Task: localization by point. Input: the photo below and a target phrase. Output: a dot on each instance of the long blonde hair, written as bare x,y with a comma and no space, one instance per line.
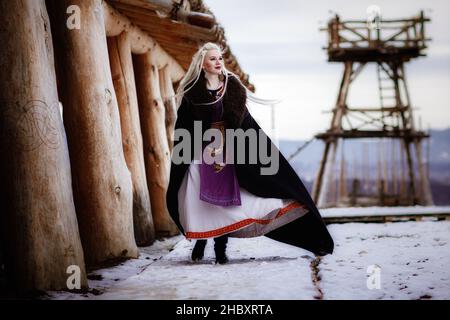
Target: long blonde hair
194,71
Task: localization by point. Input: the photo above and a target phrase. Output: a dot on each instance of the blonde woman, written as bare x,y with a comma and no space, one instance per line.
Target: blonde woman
230,197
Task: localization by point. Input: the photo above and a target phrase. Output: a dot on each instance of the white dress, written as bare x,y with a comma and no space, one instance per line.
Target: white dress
255,216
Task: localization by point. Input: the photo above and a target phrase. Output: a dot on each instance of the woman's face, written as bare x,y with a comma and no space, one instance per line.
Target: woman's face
213,62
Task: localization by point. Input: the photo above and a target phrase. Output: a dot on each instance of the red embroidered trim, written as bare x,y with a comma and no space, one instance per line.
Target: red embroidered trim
243,223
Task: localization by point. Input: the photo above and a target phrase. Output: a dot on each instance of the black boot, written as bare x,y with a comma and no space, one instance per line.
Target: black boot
220,246
199,250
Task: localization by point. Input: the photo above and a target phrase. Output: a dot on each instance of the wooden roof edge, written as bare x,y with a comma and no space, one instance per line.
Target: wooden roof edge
196,14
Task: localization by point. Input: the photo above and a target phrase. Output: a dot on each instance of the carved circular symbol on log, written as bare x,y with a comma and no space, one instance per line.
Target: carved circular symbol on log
31,126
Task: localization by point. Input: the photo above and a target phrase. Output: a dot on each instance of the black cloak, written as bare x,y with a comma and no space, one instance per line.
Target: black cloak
309,231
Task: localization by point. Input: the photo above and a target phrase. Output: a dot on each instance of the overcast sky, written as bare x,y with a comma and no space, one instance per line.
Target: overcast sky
278,43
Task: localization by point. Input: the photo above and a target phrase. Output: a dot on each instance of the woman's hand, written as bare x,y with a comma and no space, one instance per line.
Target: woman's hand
214,151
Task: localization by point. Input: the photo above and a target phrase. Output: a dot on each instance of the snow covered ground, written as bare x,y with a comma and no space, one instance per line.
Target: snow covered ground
259,268
408,260
412,259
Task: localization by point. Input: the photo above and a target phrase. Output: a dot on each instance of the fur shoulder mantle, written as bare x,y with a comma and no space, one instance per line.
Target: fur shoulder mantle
234,100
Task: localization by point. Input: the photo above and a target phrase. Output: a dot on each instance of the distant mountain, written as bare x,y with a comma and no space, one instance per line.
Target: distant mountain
359,151
440,146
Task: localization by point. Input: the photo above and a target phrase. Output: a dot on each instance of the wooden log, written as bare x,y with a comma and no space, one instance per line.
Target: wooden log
164,7
201,19
168,95
321,184
172,41
150,18
123,77
425,196
102,181
38,219
156,149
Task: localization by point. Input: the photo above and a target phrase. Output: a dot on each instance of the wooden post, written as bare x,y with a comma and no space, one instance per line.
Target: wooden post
320,186
38,218
407,122
412,189
425,197
385,156
168,96
326,194
394,167
402,192
342,197
102,181
317,186
125,87
156,149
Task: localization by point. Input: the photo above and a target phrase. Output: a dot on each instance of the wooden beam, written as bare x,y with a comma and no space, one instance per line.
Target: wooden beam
405,134
171,42
377,109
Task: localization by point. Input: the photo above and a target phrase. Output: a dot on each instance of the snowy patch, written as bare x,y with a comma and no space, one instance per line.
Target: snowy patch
413,257
259,268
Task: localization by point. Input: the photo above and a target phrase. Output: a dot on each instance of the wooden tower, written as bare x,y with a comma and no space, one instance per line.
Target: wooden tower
387,45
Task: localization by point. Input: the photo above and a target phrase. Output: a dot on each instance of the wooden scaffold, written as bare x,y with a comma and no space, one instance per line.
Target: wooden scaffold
387,45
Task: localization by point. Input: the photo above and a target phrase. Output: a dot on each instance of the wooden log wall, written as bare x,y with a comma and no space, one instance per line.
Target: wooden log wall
38,219
85,190
158,122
